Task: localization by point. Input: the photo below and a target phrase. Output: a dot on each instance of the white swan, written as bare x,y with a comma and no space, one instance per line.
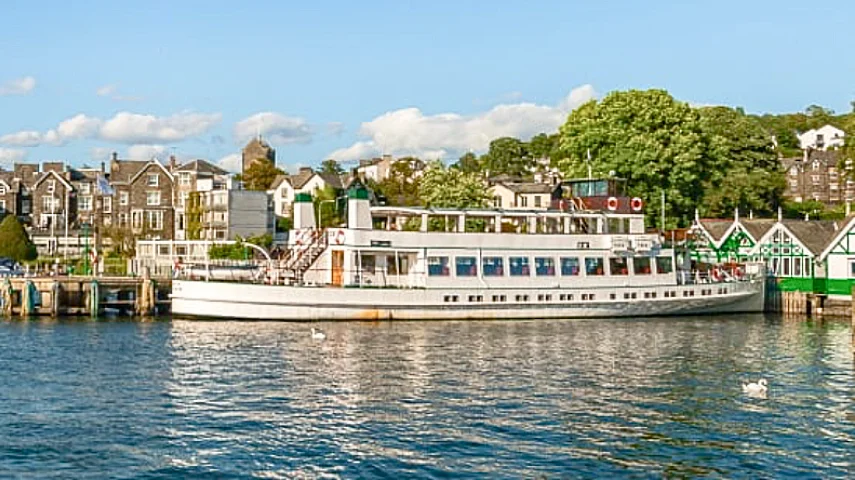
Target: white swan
318,335
756,389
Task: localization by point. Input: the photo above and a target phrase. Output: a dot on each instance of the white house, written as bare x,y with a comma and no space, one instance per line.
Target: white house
285,187
823,138
530,196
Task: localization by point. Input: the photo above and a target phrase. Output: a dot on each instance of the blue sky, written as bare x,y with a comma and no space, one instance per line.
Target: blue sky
353,79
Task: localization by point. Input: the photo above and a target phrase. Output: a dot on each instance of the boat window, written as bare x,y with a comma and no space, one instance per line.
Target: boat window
493,266
519,267
544,266
569,266
664,265
396,266
438,266
594,266
466,266
367,263
642,265
619,266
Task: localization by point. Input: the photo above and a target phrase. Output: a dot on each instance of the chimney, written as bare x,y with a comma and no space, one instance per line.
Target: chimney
102,167
173,164
115,156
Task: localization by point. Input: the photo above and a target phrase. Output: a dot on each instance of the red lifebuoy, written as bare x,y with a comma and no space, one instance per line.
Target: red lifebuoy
339,237
716,274
612,203
635,204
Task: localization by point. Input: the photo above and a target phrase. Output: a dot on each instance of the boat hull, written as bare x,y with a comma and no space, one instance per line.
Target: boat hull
224,300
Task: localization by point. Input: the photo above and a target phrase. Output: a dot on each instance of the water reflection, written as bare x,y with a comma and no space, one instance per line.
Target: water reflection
470,399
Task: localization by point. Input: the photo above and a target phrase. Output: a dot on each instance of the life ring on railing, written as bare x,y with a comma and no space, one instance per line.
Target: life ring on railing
339,237
738,274
635,204
716,275
612,203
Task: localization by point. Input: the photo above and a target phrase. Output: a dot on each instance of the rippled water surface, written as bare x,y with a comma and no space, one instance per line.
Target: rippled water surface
546,399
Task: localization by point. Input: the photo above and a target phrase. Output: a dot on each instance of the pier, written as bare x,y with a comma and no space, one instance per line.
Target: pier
84,296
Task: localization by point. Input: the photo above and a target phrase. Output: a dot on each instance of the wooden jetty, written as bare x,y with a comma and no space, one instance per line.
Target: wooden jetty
84,295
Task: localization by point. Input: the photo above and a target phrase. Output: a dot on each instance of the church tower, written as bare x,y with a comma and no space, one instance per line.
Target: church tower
257,149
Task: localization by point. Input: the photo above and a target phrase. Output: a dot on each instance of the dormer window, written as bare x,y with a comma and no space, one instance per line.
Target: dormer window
153,180
51,186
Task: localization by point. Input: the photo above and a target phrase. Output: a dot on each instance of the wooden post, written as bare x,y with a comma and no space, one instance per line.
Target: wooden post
55,292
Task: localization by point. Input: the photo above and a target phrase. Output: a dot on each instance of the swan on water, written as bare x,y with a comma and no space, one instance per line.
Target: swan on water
758,388
318,335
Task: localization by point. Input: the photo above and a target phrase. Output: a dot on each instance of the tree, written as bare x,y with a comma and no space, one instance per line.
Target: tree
331,166
329,207
260,175
543,145
14,241
507,155
401,187
746,172
647,137
451,188
468,163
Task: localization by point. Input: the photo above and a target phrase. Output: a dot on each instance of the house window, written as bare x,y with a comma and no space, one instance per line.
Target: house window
85,189
184,179
51,186
569,266
523,201
537,201
851,269
544,266
497,201
466,266
594,266
84,204
123,198
493,266
137,219
154,219
25,207
152,198
122,219
438,266
108,204
664,265
797,267
153,180
3,190
2,206
786,267
50,204
519,266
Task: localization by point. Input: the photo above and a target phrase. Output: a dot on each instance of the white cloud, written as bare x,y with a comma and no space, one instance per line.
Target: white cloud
278,128
9,156
111,91
147,152
408,131
18,86
231,162
124,127
106,91
128,127
27,138
335,128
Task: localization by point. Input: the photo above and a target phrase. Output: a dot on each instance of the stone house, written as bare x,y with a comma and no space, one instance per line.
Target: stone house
195,176
817,175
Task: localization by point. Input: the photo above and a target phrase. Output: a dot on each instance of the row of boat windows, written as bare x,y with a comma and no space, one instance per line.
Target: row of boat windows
569,297
465,266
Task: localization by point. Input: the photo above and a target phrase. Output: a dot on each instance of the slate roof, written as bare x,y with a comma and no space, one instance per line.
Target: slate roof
758,227
278,181
201,166
299,180
529,187
814,234
122,171
331,179
716,227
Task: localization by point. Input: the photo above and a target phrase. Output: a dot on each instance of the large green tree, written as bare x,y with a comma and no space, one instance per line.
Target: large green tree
260,175
332,167
452,188
401,187
647,137
14,241
507,155
746,171
468,163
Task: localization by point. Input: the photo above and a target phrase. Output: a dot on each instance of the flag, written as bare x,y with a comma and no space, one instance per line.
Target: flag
103,186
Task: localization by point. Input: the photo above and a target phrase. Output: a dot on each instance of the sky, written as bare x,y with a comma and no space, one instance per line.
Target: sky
350,80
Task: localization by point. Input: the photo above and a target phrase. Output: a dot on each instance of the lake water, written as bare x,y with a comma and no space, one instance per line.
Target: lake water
547,399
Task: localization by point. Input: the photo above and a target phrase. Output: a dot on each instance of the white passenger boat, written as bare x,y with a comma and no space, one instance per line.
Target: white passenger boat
587,256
